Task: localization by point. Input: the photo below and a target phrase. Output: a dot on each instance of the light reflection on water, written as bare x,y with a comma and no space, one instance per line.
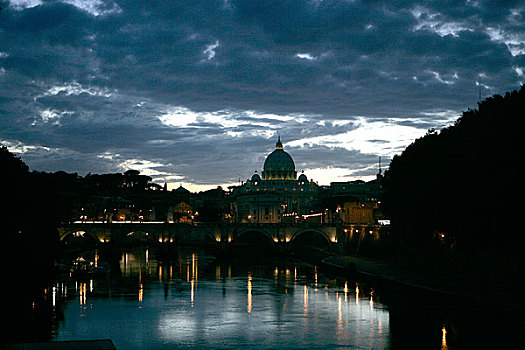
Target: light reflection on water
194,301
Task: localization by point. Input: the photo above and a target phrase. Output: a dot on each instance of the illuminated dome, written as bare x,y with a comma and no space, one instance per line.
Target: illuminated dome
279,165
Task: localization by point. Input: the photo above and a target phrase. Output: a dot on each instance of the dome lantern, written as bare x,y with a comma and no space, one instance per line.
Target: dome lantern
279,144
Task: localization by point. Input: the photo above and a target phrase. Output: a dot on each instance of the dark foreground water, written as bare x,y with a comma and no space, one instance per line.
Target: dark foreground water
190,299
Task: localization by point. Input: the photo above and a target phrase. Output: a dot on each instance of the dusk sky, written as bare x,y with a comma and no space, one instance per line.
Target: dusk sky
195,92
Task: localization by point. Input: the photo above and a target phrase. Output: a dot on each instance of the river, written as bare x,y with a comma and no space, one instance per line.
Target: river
190,299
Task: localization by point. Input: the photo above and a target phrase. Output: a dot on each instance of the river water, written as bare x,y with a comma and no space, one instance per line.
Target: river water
189,299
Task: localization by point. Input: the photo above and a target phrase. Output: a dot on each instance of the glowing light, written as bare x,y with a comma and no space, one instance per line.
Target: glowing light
444,345
288,273
82,293
141,292
306,216
305,298
249,308
193,266
192,293
357,295
339,314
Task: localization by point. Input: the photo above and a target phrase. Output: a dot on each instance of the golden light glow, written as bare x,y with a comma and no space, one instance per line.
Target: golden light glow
141,292
82,293
194,273
339,314
305,299
249,308
444,345
357,295
192,293
193,266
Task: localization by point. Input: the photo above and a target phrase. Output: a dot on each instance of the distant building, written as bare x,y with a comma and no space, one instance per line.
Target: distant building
277,196
182,212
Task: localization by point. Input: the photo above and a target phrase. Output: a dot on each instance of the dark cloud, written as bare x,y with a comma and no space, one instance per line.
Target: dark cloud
90,80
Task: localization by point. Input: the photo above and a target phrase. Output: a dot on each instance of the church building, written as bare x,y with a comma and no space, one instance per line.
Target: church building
276,196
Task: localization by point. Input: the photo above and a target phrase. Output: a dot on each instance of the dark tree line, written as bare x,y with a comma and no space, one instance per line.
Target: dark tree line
28,234
457,193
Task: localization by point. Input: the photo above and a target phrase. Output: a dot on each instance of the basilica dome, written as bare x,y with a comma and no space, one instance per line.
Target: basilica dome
279,165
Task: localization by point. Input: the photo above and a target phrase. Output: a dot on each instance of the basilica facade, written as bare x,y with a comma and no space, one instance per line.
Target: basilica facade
277,195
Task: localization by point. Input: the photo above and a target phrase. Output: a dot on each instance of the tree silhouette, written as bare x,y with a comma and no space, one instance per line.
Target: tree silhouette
458,190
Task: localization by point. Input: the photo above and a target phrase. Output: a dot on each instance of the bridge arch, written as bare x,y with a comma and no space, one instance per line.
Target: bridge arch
211,235
311,239
254,237
137,237
79,235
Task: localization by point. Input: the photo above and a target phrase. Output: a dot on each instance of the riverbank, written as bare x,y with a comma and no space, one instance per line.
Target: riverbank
459,286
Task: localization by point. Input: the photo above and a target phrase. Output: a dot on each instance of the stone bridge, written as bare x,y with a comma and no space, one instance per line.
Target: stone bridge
198,233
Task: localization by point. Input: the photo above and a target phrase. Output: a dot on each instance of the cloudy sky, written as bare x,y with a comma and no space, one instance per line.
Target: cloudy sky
195,92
